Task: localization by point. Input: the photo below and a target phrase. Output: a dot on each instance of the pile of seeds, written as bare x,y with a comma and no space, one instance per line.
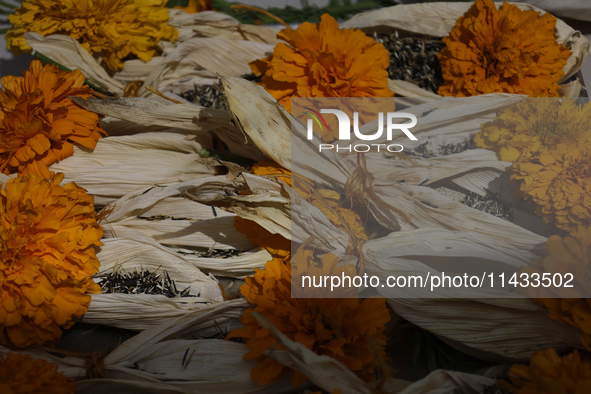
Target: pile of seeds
490,205
414,59
141,282
156,218
214,253
208,96
444,150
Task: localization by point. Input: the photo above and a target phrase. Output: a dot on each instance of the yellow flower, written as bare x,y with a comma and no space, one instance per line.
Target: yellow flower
548,373
328,201
47,257
505,50
39,122
321,60
558,181
20,374
521,130
345,329
568,255
195,6
113,30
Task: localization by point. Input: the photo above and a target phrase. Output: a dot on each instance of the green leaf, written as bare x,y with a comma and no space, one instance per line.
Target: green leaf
175,3
341,9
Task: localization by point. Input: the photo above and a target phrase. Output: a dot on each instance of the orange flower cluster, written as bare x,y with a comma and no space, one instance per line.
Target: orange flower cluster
111,29
507,50
47,257
328,201
547,140
39,122
344,329
559,183
195,6
521,130
548,373
570,254
321,60
20,374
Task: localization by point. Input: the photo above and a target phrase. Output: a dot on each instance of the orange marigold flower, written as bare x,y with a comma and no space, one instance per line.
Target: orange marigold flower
344,329
328,201
507,50
20,374
521,130
321,60
195,6
573,255
548,373
558,181
110,29
47,257
39,122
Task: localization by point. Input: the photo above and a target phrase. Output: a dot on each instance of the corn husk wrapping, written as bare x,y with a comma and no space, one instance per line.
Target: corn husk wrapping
152,361
501,331
438,19
198,120
162,214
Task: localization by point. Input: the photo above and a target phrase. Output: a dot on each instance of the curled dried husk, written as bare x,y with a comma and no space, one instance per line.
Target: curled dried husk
67,52
438,19
218,24
199,61
330,374
161,213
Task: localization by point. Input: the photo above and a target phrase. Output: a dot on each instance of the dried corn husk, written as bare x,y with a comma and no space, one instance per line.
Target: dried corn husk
438,19
122,164
198,61
505,335
161,214
158,357
218,24
66,51
189,117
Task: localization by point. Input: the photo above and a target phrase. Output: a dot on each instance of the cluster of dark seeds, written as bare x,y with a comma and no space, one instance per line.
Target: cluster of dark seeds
214,253
205,96
490,205
156,218
142,282
444,150
208,96
414,59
